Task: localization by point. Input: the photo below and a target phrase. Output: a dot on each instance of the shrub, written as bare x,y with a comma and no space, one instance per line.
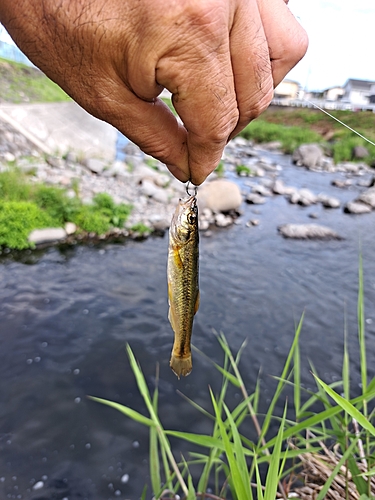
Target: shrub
290,137
56,203
17,220
13,186
91,220
117,214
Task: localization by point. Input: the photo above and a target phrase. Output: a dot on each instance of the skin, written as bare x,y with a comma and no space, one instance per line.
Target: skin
221,59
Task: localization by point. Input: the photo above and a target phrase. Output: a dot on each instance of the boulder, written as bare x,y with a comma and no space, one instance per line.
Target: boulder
47,235
148,188
308,231
357,207
359,152
341,183
262,190
308,155
95,165
368,197
222,220
255,199
219,195
329,201
70,228
143,172
303,197
280,188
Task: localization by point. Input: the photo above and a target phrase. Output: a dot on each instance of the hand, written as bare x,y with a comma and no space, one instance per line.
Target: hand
220,59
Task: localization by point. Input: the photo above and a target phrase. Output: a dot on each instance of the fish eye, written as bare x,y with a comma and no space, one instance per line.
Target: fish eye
191,218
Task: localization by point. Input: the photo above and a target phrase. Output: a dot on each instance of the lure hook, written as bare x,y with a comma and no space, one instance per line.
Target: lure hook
187,189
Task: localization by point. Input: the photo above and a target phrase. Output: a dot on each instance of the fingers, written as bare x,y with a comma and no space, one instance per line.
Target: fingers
149,124
203,90
251,64
287,40
266,42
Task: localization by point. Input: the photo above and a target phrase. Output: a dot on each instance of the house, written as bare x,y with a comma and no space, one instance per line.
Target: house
287,89
333,93
358,92
372,94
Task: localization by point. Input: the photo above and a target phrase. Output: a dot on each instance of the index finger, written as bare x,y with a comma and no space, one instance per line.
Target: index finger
201,80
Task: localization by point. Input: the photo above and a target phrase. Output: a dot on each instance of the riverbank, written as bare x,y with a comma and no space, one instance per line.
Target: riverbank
248,174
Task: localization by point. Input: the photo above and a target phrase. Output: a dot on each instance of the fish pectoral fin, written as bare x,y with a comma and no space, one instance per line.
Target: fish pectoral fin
197,302
178,259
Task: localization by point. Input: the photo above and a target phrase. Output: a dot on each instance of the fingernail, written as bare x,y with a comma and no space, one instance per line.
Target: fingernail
178,173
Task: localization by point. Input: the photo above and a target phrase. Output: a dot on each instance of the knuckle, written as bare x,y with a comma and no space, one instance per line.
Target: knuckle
257,103
223,127
297,46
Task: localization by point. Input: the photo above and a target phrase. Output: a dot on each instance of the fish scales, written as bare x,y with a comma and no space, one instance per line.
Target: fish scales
183,287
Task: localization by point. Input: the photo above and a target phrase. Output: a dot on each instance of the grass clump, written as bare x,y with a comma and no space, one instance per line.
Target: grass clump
220,169
243,170
116,213
56,203
290,136
27,206
17,220
273,465
140,228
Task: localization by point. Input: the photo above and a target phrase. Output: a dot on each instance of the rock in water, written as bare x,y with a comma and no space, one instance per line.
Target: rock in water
219,195
357,207
308,231
368,197
329,201
255,199
308,155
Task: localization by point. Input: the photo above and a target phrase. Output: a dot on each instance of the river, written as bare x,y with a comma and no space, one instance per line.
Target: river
67,314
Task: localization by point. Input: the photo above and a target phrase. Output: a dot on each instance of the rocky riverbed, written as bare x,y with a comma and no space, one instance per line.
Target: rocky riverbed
153,192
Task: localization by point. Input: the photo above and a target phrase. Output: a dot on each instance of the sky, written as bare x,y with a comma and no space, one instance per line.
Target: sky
342,42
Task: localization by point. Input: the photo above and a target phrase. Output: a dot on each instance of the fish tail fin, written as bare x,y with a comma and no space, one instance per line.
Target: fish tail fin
181,366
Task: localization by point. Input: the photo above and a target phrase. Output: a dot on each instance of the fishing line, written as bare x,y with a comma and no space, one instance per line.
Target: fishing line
342,123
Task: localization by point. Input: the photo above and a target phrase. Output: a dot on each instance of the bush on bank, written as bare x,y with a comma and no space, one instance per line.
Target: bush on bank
25,206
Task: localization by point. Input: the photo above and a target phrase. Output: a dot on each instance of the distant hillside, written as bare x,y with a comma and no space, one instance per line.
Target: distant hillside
23,84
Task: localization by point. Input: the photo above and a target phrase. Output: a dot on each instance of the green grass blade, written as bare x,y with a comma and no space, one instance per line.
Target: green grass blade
346,364
199,439
196,406
154,451
280,385
361,327
236,479
272,479
134,415
239,452
164,443
258,481
144,492
191,495
297,381
348,407
256,394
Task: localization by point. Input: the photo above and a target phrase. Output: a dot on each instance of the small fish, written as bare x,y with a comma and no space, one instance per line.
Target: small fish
183,288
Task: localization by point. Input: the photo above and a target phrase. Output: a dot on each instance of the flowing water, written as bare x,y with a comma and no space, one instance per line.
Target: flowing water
67,314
